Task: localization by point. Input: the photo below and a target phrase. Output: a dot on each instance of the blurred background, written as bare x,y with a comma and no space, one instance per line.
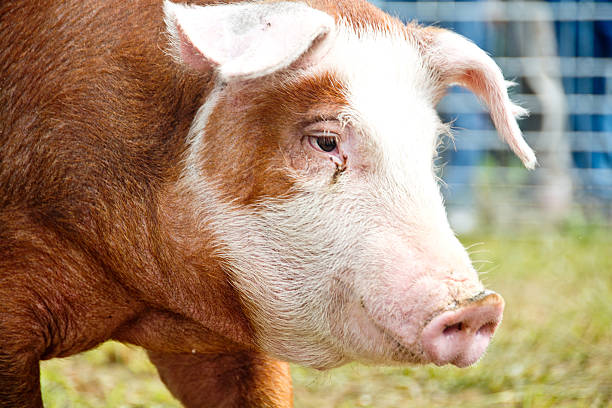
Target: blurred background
559,54
543,239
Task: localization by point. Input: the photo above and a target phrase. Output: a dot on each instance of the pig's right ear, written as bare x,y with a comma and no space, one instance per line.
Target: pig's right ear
244,40
456,60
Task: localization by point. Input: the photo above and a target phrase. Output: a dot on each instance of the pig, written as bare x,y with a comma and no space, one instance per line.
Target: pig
232,186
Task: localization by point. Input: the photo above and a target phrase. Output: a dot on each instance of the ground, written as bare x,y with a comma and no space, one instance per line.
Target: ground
554,348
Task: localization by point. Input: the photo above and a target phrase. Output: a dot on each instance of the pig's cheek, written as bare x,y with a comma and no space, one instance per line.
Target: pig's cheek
349,324
298,161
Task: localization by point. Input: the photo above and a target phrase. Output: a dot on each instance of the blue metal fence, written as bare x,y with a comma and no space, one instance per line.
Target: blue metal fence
560,54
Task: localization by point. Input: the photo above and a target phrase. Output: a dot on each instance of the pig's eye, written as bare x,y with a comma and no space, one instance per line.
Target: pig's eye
326,142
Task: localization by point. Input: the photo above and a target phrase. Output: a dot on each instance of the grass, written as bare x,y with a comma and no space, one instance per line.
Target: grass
554,348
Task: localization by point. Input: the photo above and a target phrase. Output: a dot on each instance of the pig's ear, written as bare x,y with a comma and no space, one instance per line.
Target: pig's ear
244,40
457,61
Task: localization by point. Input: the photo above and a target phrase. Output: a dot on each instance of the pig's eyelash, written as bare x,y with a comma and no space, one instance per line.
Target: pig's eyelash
327,142
327,134
313,120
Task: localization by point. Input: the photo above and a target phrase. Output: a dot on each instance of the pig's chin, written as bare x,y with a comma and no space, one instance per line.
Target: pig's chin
368,341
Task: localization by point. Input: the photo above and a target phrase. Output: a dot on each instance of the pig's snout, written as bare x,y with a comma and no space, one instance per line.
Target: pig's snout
461,336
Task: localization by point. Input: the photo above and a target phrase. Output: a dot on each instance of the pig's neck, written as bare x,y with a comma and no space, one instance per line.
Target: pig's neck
188,289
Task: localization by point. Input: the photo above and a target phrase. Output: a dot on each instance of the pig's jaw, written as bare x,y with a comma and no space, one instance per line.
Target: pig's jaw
314,302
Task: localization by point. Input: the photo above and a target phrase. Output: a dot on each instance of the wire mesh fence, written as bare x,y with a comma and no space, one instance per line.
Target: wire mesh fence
560,55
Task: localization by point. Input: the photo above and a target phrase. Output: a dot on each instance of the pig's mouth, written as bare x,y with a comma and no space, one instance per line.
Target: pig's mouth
401,352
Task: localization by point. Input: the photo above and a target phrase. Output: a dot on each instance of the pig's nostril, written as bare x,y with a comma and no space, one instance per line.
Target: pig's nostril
487,329
452,329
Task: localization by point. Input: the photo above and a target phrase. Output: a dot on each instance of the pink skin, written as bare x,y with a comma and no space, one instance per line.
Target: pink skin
461,336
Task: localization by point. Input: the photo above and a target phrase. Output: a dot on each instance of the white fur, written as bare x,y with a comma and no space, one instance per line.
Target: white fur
191,172
390,94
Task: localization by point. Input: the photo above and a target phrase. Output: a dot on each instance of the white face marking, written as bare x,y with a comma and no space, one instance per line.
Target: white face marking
322,268
390,94
191,173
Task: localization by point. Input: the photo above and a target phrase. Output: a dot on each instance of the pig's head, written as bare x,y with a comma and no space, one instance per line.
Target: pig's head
311,163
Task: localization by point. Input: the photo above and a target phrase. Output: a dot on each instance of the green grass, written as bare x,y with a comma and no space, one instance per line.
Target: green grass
554,348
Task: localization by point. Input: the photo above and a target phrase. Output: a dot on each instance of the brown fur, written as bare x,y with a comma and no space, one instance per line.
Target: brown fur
271,115
95,239
254,379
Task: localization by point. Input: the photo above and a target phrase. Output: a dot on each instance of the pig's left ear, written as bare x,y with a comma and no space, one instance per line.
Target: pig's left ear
457,61
244,40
